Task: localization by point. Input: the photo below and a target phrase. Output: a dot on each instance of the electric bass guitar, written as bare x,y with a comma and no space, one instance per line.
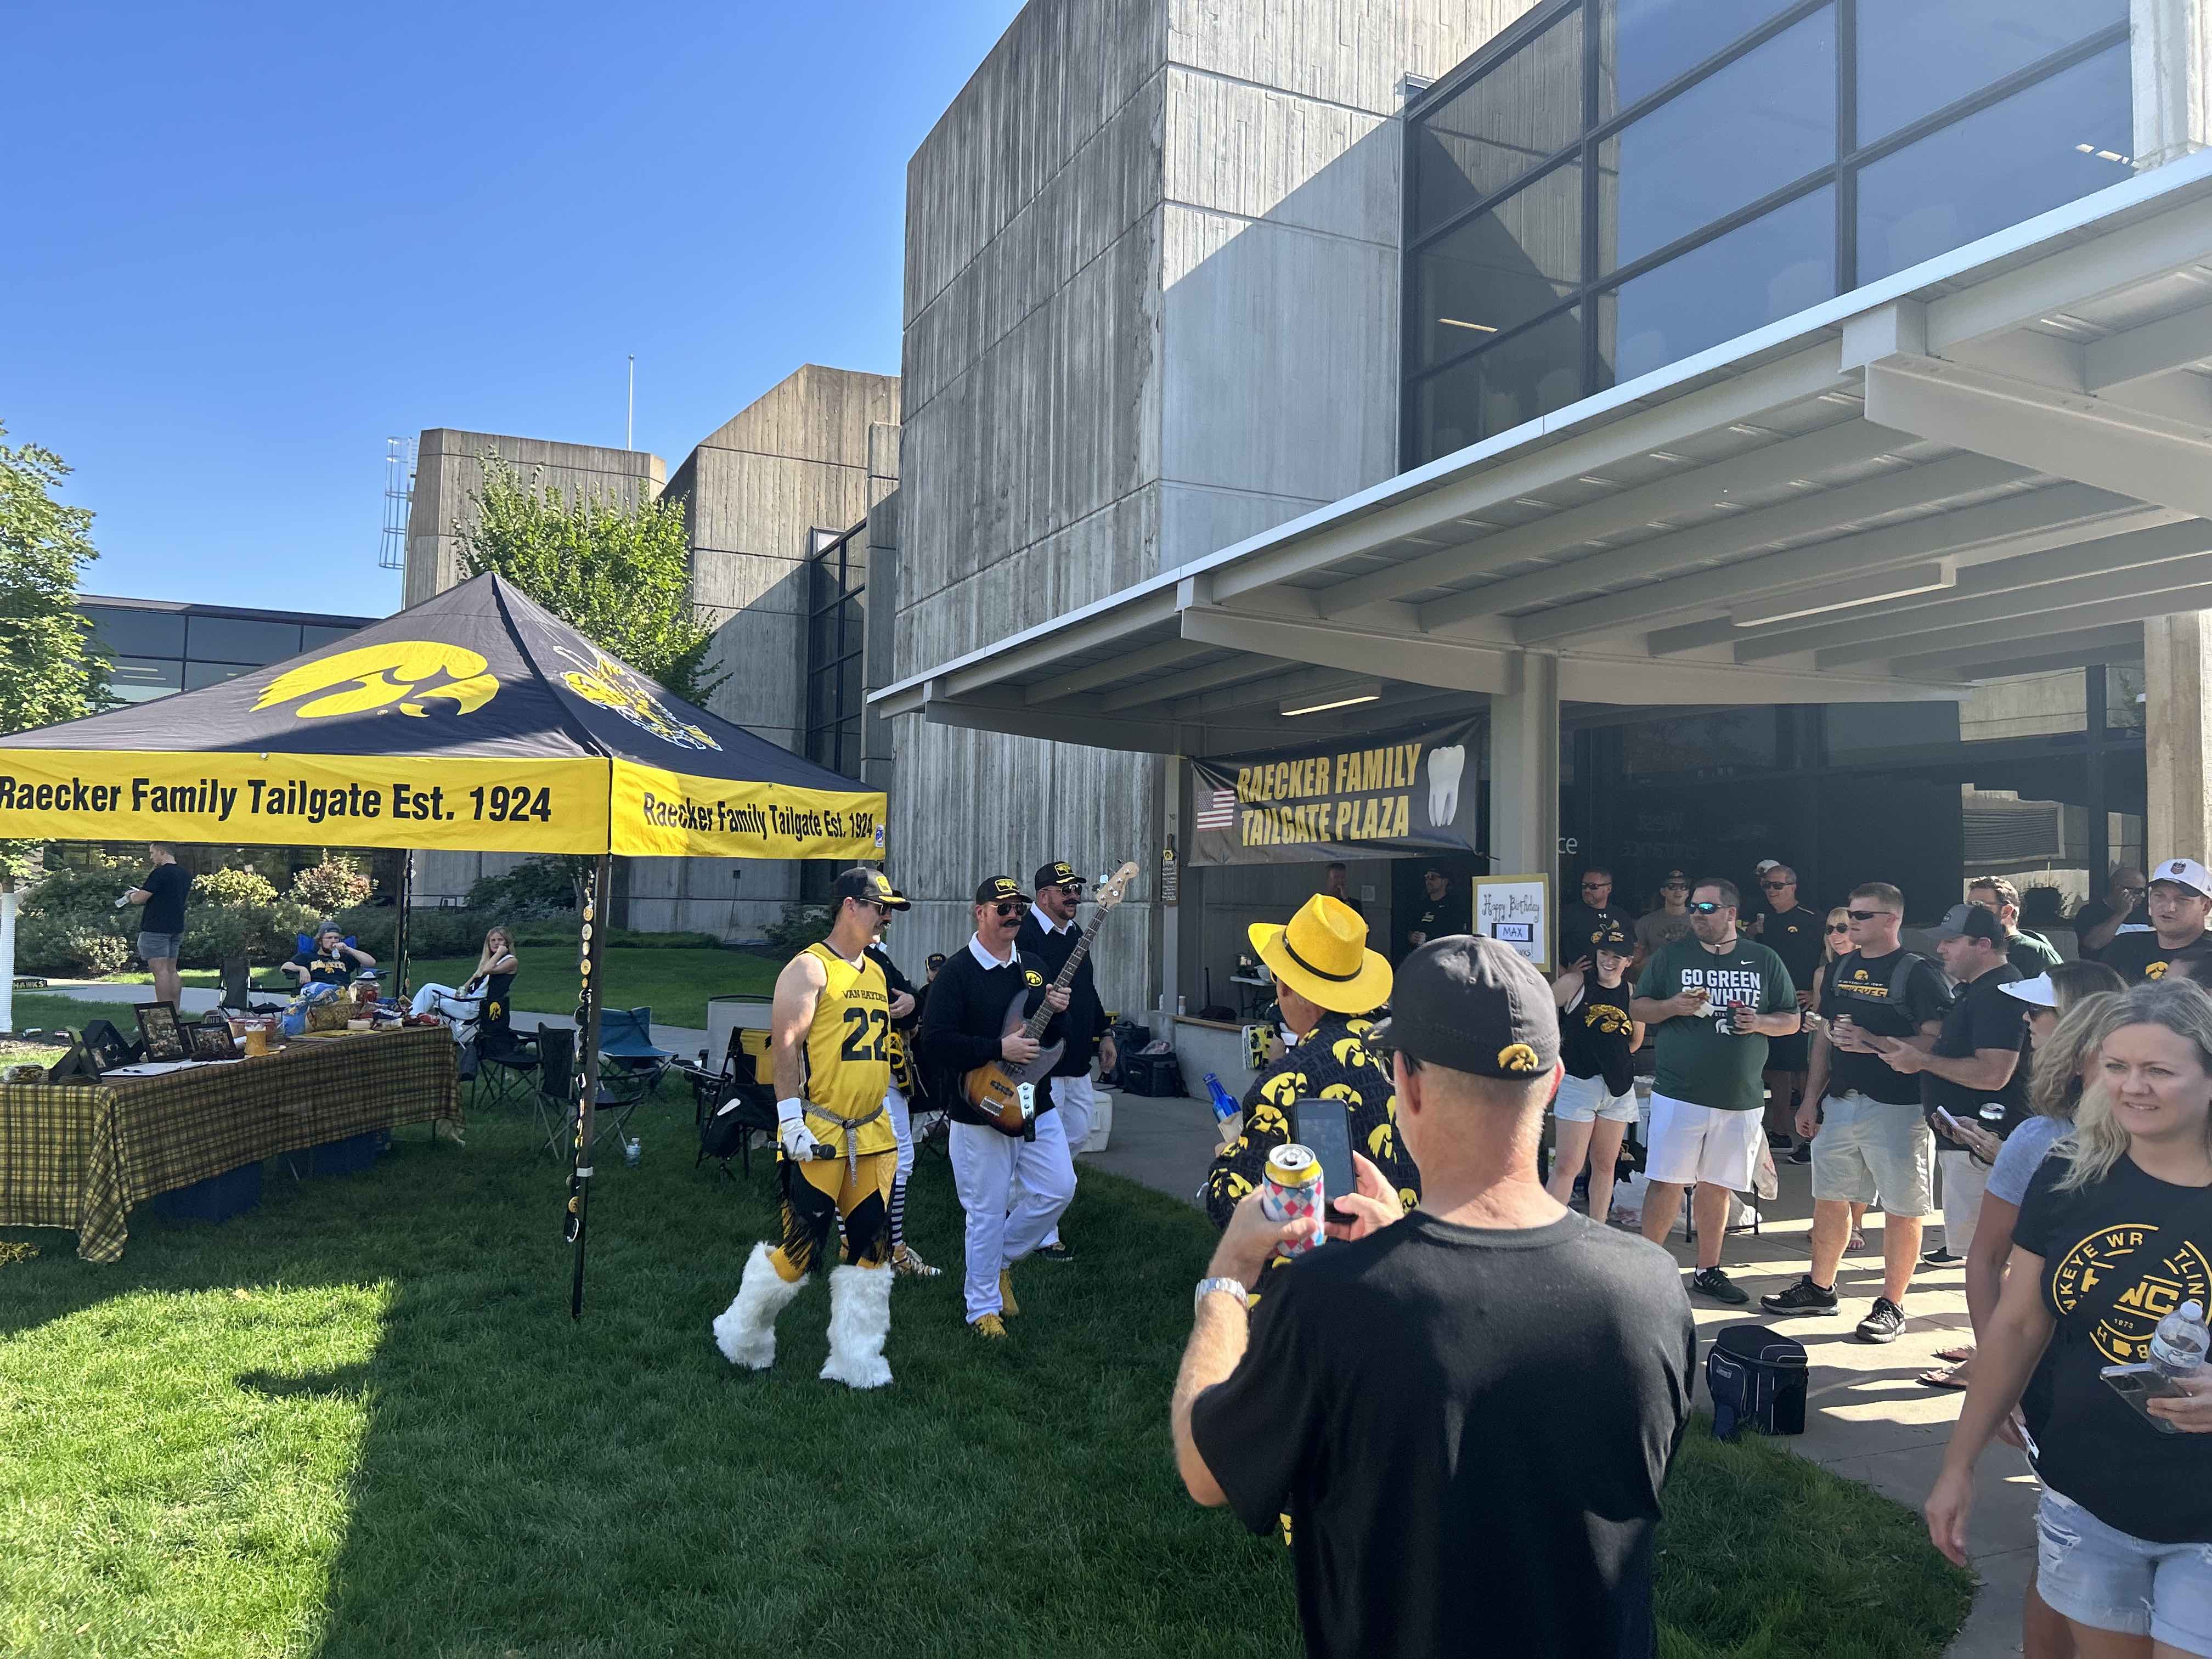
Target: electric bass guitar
996,1089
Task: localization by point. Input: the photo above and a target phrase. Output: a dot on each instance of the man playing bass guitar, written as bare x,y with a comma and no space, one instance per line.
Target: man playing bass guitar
962,1026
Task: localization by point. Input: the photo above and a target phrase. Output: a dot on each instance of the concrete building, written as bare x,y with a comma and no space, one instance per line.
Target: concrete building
767,498
1776,426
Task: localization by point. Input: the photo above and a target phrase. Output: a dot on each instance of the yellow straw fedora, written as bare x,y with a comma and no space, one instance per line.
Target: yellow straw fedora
1323,956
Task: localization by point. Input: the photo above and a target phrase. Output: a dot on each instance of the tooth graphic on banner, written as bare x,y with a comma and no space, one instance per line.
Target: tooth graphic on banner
1445,766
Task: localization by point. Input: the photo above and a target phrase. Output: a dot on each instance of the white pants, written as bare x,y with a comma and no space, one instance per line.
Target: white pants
445,999
1074,1100
1963,1177
1003,1227
902,1126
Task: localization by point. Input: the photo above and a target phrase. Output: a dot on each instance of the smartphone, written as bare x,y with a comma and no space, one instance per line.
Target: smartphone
1948,1118
1324,1128
2141,1384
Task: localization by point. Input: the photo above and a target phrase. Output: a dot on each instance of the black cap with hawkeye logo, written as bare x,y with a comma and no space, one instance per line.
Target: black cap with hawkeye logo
997,889
868,885
1471,1005
1058,874
1614,938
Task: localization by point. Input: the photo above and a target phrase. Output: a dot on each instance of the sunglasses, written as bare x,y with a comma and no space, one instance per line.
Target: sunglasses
1777,886
1008,908
1867,915
1839,927
1706,908
1673,887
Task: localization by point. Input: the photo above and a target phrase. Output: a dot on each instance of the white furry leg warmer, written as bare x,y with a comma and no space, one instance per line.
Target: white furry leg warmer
745,1330
859,1320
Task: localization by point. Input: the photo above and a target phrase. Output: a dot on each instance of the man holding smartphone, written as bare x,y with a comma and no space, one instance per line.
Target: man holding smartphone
1327,981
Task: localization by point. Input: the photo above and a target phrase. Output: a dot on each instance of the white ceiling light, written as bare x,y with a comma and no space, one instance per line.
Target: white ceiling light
1454,322
1337,697
1843,596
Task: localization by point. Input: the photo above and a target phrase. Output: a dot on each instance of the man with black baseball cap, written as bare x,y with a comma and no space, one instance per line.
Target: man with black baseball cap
1049,933
906,1015
1553,1355
2180,899
1012,1190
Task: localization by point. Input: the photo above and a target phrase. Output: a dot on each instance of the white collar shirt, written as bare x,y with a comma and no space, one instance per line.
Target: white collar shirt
989,962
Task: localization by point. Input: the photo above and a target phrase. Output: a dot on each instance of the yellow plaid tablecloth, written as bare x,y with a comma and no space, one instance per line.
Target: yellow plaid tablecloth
79,1158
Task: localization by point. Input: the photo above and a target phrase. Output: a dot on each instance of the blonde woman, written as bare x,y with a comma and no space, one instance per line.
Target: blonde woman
2115,1228
494,973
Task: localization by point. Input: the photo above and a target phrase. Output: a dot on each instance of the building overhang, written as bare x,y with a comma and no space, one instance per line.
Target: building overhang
1996,462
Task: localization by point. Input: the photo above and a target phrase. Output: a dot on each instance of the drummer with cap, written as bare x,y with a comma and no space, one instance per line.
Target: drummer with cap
1326,984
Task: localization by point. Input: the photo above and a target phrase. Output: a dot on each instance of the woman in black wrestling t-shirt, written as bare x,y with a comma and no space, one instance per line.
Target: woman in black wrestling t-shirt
1596,1102
2115,1232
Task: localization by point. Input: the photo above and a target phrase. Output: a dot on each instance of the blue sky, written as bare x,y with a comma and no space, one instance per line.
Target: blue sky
246,242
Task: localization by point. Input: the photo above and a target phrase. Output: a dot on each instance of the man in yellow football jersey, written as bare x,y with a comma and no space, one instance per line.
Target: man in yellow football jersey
837,1150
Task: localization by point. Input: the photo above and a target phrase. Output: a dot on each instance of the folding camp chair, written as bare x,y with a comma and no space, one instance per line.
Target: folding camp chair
736,1098
505,1061
630,1067
556,1087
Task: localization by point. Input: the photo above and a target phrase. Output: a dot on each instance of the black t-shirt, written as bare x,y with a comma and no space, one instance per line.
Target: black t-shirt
1984,1017
2096,912
2138,957
164,913
1469,1429
1859,985
1794,936
1437,919
1594,1034
2118,1256
332,970
1580,923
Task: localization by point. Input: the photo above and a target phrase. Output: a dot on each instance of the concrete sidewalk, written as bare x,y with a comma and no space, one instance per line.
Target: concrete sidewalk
1867,1419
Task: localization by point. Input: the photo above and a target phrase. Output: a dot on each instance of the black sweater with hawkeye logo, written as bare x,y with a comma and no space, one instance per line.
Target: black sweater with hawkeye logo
963,1018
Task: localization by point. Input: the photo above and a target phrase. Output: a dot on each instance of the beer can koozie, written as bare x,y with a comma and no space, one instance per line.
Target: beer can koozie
1291,1190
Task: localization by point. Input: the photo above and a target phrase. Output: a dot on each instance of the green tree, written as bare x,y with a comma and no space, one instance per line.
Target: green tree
620,574
49,669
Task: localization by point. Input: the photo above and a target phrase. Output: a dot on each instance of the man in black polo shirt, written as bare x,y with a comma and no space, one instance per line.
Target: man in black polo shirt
2180,899
1861,1111
1792,932
1049,933
1974,1062
1592,914
1443,912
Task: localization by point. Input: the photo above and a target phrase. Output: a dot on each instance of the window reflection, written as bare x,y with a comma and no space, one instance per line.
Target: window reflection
1645,44
1525,109
2031,153
1749,129
1914,59
1528,375
1504,266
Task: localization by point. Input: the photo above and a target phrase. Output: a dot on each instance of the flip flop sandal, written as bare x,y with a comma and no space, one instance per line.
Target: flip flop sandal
1955,1356
1947,1377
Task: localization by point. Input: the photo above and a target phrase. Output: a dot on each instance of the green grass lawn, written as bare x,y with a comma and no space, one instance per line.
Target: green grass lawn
674,983
359,1421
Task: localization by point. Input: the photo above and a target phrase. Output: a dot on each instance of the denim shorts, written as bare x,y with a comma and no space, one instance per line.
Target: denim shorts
2107,1579
159,947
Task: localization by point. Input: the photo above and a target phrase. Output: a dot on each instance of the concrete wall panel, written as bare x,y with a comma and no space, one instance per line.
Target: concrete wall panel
1352,52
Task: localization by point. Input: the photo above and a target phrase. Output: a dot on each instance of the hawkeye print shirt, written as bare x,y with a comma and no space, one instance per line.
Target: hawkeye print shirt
1330,1062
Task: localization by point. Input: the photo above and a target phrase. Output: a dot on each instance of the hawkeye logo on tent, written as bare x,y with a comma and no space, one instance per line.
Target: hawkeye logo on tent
402,673
608,683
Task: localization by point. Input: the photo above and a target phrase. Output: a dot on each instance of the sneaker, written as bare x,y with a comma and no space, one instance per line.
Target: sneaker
1777,1139
1803,1154
1941,1258
908,1264
1803,1297
991,1326
1712,1282
1055,1251
1007,1305
1883,1324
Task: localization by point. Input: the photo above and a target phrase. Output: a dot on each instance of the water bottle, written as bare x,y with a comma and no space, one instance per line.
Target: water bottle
1225,1104
632,1152
2176,1347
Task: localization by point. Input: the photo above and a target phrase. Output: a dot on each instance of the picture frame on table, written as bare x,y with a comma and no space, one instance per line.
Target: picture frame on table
160,1032
213,1043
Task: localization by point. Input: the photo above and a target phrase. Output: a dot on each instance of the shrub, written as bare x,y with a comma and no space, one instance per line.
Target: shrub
536,887
798,927
57,944
330,887
430,932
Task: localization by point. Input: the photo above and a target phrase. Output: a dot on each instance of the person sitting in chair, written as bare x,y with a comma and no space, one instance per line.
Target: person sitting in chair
485,994
329,961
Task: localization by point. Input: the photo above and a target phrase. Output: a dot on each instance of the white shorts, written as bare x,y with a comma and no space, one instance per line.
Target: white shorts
1581,1099
1690,1144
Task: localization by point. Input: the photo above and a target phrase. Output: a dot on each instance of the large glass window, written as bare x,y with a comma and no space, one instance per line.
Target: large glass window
125,630
141,679
836,630
2036,151
1731,172
1742,133
240,640
1528,108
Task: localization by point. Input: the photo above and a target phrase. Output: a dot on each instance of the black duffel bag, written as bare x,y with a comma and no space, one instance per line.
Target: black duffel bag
1756,1375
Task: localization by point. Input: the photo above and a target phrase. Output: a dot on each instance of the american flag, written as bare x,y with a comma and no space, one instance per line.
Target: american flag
1217,811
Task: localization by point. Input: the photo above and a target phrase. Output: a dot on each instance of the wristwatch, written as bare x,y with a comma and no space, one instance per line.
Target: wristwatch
1227,1287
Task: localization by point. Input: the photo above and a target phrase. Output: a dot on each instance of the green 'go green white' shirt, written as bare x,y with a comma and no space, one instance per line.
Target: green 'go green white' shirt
1700,1060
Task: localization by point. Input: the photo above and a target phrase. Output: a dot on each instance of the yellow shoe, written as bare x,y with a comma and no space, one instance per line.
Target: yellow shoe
989,1325
1007,1305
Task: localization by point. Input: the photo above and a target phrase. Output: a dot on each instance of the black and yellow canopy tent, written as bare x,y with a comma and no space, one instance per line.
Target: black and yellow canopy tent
475,722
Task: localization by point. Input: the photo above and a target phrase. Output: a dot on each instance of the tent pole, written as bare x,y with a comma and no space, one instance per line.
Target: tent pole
399,929
588,999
